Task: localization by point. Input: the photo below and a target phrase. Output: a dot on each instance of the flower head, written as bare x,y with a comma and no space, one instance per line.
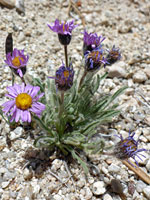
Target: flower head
127,148
18,61
94,59
64,30
64,78
91,41
113,55
24,102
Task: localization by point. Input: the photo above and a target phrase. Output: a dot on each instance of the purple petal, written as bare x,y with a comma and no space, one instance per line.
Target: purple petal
29,116
8,106
18,115
34,92
38,97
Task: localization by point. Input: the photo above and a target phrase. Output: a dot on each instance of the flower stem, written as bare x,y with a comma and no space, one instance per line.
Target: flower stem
61,104
13,77
66,55
23,80
81,81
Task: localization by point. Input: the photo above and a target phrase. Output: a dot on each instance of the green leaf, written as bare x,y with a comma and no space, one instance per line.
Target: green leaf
1,113
83,164
44,141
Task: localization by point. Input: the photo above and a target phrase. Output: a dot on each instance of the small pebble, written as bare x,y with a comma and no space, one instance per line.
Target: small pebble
98,188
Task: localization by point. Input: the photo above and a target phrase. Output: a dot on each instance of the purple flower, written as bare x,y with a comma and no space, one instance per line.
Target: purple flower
24,102
127,148
64,77
18,61
94,59
113,55
91,41
64,30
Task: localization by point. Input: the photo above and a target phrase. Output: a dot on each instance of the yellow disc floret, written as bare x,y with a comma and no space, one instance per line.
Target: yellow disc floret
23,101
16,61
66,73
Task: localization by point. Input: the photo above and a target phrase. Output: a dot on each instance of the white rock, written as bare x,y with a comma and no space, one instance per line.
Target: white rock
140,186
146,131
56,164
16,133
139,77
57,197
5,184
113,168
146,191
135,195
148,165
21,37
36,189
81,183
117,70
98,188
104,170
147,71
27,174
107,197
88,194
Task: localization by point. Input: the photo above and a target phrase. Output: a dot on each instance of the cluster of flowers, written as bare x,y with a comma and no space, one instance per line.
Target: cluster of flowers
25,98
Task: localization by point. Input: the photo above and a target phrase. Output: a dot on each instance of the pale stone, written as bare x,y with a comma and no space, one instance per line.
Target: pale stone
57,197
8,3
113,168
16,133
147,71
99,188
5,184
88,194
146,191
107,197
139,77
56,164
27,174
117,70
140,186
148,165
19,4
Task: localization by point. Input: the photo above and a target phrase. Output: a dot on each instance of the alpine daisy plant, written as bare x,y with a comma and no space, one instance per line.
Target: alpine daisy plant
65,106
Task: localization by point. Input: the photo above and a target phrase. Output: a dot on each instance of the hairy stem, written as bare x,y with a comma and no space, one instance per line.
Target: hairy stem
23,80
61,104
13,77
82,78
66,55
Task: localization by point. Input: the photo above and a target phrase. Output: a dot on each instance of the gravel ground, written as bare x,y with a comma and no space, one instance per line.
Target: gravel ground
125,24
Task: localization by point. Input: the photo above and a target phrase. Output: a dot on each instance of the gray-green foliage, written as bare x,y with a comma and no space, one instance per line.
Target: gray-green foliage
71,125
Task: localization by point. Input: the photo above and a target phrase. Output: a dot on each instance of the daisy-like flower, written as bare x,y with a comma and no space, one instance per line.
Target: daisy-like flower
113,55
17,61
64,77
64,30
91,41
128,148
94,59
24,102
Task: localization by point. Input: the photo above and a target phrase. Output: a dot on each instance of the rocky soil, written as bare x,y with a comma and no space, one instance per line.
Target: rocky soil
26,173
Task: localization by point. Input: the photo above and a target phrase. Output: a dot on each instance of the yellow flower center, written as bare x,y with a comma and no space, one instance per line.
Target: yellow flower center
16,61
23,101
66,73
114,54
130,144
94,55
